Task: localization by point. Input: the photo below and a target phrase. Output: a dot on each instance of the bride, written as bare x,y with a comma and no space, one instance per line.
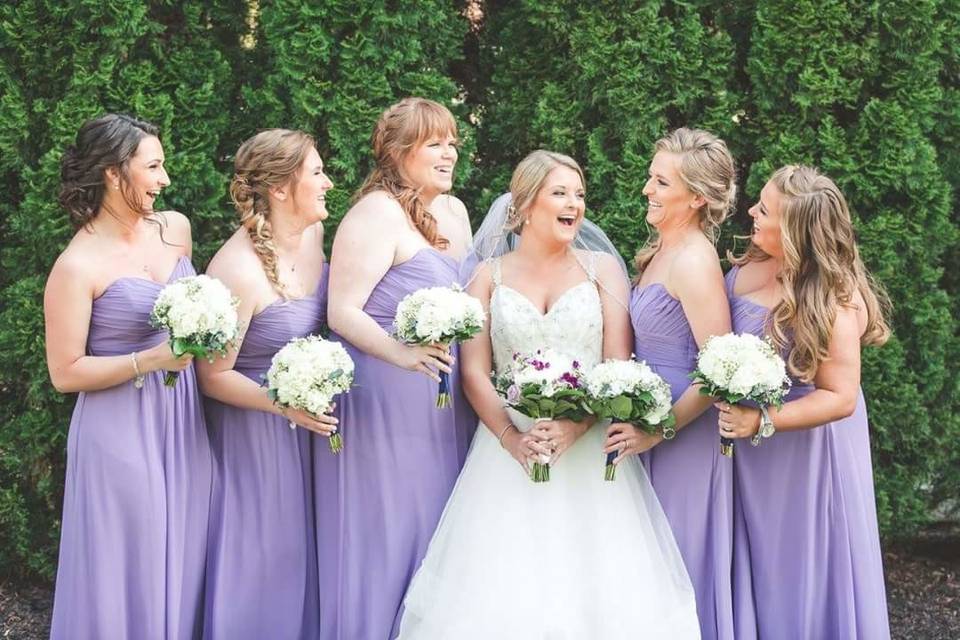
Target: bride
575,557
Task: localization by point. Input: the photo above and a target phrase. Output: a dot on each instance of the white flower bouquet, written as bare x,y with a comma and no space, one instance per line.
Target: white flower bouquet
200,314
438,315
545,385
736,367
306,374
629,391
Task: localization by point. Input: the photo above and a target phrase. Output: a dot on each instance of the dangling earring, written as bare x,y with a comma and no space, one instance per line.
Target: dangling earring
527,221
116,185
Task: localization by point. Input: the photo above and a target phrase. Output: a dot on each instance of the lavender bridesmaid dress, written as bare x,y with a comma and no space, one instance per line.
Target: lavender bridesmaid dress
137,490
807,560
693,482
262,567
379,500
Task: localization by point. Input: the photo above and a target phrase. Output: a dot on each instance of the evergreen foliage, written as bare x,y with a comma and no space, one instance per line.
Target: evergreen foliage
866,90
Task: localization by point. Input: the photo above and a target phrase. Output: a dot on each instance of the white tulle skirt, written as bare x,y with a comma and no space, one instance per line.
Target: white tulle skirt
574,558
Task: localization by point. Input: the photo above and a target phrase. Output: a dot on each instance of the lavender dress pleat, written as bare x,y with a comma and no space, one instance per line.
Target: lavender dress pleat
132,545
262,567
378,502
807,562
693,482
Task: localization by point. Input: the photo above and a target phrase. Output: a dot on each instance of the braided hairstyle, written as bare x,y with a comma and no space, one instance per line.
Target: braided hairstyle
270,159
397,133
108,141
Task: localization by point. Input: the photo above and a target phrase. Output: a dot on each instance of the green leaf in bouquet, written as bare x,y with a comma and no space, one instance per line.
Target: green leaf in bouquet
621,406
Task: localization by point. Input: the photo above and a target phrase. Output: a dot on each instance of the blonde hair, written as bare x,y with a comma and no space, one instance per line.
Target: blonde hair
400,129
528,179
821,270
706,169
270,159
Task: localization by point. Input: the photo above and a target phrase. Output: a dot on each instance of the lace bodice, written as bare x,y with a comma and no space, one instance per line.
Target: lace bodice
573,325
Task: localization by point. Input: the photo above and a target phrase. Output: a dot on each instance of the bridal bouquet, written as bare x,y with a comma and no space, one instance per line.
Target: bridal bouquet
545,385
629,391
306,374
438,315
200,314
736,367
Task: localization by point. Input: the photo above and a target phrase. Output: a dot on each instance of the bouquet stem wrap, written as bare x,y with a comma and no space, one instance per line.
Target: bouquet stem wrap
443,397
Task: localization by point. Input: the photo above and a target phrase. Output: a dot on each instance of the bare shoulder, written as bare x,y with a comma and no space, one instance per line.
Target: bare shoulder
455,205
236,263
74,267
481,280
696,257
377,206
176,226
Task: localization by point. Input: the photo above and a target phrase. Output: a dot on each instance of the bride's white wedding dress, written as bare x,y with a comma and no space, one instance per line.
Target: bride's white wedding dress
575,558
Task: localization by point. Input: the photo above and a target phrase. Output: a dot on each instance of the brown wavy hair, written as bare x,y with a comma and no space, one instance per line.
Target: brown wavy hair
270,159
108,141
400,129
822,270
706,169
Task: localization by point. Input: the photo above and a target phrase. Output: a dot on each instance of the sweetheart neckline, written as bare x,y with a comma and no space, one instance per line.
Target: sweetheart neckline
556,302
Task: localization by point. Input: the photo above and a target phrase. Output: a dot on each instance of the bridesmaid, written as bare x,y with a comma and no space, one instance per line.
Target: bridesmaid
678,302
138,460
807,551
380,499
262,571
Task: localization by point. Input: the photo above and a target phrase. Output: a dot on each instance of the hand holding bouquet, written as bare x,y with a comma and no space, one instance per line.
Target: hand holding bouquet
629,391
545,385
200,314
306,374
736,367
439,315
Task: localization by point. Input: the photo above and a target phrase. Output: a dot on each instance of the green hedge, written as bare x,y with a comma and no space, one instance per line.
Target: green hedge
867,90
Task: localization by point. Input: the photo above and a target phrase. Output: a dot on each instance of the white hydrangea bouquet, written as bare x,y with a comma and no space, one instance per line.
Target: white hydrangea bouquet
306,374
200,314
545,385
629,391
735,367
438,315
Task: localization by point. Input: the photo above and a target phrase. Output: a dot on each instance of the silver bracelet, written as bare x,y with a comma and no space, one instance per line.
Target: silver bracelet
137,376
503,433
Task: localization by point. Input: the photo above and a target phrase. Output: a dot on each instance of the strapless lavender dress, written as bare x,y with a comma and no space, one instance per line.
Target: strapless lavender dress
807,560
262,565
133,541
693,482
378,502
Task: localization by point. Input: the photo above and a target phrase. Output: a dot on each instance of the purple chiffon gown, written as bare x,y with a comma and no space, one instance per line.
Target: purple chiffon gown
807,560
379,500
262,567
137,490
693,482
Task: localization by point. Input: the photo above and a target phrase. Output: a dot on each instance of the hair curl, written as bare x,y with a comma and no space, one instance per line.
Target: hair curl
821,271
270,159
108,141
706,169
400,129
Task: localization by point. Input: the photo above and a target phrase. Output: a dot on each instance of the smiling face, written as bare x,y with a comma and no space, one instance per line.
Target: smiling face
558,208
311,186
669,201
429,165
144,177
766,232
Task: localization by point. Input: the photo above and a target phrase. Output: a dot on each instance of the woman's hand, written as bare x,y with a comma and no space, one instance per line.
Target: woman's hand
526,448
559,435
161,358
427,359
629,440
737,421
324,424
